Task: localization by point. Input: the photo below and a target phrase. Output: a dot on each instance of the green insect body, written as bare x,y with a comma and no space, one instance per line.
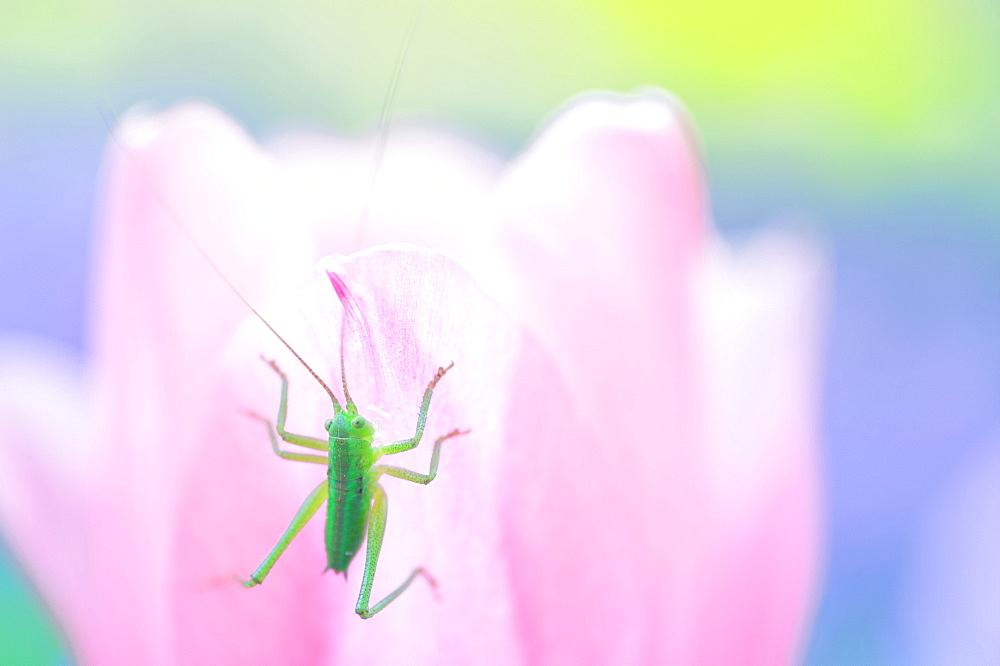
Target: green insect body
350,488
356,502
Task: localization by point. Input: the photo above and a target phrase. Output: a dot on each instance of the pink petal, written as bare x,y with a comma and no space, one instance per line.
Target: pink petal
604,217
162,319
760,321
223,498
424,312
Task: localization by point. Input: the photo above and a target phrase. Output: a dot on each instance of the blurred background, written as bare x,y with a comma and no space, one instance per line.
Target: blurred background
875,122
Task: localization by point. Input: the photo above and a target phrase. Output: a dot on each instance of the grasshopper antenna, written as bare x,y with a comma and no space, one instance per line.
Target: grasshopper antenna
381,135
352,312
111,122
343,372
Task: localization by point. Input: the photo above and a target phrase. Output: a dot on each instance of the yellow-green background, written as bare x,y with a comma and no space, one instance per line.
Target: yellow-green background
859,90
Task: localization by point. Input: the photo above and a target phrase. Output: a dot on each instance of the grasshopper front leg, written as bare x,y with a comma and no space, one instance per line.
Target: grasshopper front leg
407,444
291,438
416,477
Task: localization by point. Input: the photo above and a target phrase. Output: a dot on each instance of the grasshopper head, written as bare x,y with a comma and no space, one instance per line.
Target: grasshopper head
348,423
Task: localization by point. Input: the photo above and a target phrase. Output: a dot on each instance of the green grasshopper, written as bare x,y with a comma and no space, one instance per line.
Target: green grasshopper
356,502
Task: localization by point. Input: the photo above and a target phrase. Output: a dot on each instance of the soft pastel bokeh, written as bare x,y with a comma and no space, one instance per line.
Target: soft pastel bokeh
580,292
872,124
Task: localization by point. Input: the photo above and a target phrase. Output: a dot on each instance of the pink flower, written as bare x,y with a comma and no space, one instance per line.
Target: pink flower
640,482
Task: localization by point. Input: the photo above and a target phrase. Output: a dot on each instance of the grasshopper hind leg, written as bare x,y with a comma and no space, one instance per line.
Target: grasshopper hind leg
308,509
376,530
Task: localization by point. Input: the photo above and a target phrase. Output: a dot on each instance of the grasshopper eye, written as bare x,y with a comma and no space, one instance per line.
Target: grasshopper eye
329,422
358,423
